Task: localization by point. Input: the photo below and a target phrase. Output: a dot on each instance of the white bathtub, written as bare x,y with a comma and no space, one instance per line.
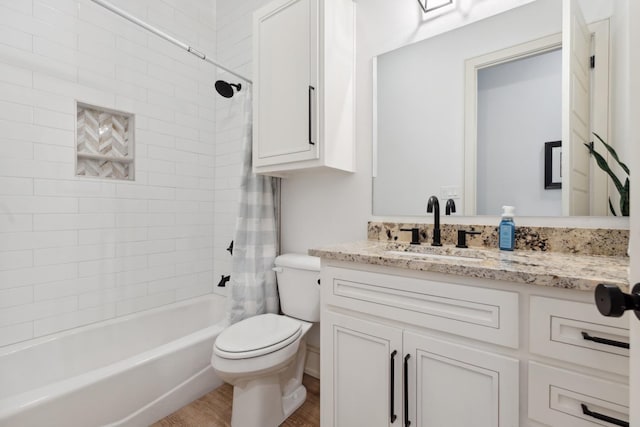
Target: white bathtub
129,371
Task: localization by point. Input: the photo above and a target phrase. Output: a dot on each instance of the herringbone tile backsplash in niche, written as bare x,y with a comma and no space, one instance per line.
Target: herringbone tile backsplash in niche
104,143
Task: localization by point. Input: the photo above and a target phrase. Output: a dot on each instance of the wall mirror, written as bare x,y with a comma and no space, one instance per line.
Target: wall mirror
467,114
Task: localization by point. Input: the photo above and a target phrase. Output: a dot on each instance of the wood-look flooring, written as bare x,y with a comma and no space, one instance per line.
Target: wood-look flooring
214,409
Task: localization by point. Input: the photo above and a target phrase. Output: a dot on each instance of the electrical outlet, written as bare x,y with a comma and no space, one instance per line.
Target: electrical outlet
450,192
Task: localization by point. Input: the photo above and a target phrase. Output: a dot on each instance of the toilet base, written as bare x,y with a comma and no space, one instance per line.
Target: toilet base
257,403
293,401
269,400
267,407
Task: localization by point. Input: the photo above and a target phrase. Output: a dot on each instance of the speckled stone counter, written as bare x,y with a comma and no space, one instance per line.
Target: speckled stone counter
567,271
584,241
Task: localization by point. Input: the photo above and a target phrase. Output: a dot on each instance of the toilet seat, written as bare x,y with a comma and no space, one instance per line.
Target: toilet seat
257,336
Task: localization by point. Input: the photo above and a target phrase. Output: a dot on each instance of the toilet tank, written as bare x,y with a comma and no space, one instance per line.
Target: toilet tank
298,286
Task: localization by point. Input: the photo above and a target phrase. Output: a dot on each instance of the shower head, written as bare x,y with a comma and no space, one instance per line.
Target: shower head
226,89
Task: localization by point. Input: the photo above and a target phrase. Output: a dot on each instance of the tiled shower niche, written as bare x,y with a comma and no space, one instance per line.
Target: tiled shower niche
104,143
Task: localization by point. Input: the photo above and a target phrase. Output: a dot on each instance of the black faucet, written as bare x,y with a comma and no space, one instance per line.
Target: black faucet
462,237
434,206
450,207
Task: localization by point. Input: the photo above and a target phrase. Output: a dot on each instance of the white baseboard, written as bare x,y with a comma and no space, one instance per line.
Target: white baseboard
312,365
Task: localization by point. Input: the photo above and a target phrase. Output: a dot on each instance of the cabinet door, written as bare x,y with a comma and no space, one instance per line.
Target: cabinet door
452,385
285,82
359,359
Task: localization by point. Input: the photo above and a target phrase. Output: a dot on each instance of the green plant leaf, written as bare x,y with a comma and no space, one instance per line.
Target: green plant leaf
624,199
613,154
602,163
611,208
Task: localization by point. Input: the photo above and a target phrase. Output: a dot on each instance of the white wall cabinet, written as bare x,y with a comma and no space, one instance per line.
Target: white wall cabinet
303,68
436,350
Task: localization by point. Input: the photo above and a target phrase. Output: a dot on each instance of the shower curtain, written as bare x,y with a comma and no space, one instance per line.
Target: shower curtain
252,289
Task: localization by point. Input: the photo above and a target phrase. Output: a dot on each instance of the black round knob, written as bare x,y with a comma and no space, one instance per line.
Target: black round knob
610,300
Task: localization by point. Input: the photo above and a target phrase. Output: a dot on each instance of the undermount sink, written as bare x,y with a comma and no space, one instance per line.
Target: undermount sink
434,256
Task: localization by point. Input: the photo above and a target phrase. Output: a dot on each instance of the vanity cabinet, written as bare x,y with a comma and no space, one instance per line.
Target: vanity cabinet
303,68
382,367
454,351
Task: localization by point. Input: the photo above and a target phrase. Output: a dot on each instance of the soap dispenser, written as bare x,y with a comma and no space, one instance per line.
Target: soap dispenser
507,230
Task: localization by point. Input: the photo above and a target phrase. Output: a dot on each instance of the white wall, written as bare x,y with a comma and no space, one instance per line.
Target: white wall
519,109
78,250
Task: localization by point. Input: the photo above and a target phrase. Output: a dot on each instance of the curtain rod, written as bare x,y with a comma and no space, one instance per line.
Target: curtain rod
166,36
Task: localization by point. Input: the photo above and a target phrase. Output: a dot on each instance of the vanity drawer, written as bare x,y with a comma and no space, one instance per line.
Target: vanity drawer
557,329
557,396
480,313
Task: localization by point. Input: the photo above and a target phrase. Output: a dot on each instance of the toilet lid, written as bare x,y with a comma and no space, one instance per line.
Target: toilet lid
257,336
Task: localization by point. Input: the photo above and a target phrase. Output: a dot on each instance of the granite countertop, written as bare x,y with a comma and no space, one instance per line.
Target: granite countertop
567,271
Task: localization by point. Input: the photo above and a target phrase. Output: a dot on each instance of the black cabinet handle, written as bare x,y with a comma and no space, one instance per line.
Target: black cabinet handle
392,383
602,417
311,89
407,423
606,341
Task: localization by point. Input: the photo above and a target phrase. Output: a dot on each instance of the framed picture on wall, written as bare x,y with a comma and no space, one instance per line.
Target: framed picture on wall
552,165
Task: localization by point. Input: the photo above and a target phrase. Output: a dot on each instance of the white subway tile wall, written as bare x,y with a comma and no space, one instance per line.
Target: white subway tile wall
76,250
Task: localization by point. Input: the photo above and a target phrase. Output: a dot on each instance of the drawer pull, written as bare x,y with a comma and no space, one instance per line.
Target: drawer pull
613,343
392,386
407,423
601,417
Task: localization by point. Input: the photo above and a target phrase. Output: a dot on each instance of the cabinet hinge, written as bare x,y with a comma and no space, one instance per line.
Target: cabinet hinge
593,61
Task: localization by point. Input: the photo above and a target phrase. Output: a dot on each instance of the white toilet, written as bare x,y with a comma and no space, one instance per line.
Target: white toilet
263,356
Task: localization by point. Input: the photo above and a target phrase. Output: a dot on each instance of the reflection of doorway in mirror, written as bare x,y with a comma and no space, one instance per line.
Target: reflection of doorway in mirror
599,105
513,100
519,105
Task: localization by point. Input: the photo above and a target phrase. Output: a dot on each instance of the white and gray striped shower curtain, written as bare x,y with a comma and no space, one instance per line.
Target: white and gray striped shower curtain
252,289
